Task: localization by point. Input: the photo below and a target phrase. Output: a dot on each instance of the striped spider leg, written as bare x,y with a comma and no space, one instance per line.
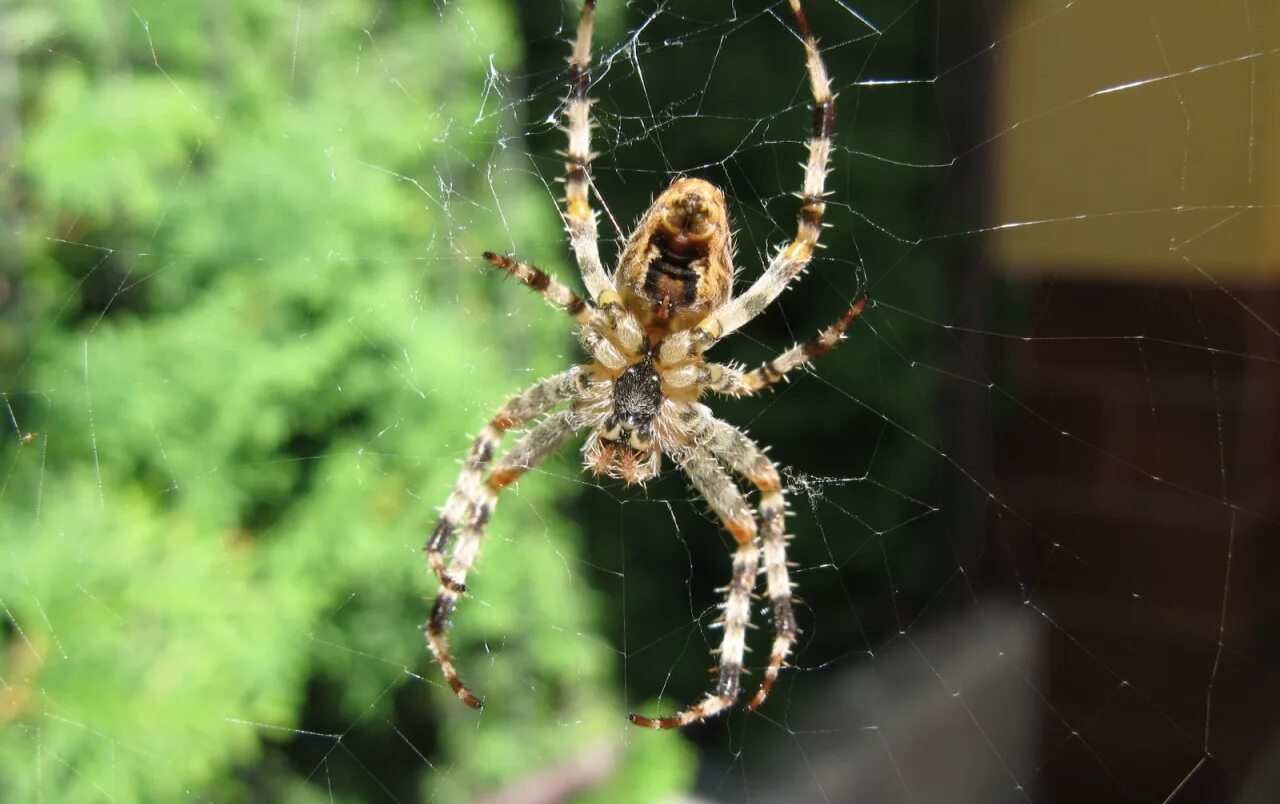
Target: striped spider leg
793,258
713,449
470,505
580,218
723,446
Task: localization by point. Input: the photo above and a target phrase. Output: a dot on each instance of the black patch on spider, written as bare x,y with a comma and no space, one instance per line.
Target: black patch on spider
670,276
480,455
637,394
443,530
728,686
440,612
784,620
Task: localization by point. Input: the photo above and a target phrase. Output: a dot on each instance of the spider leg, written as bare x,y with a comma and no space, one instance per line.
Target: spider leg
545,285
773,371
731,380
467,495
792,259
744,456
619,325
580,219
534,446
721,493
722,378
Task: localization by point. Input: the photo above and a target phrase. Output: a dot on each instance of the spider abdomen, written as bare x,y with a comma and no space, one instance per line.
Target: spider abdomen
678,264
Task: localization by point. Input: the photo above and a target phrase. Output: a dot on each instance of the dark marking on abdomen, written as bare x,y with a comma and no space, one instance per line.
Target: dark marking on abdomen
676,283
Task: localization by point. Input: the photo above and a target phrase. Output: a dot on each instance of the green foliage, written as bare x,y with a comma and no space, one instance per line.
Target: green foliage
256,336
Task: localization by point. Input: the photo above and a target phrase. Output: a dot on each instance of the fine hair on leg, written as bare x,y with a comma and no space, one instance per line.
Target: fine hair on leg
535,445
715,486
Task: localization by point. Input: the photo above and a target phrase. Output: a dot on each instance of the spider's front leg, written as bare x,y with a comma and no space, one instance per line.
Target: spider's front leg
792,259
580,218
471,503
719,491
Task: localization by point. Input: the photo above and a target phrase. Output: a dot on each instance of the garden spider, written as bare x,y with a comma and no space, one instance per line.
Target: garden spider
646,330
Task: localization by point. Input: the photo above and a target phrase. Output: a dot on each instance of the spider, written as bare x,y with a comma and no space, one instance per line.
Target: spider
646,330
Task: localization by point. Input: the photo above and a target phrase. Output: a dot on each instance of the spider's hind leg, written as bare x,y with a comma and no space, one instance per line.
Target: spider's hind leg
537,444
718,489
467,495
746,458
794,257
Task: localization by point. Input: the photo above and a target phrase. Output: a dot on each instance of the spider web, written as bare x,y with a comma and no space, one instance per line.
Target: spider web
247,333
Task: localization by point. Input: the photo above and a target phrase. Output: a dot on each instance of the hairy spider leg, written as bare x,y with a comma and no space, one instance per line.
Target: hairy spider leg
715,486
791,260
580,218
730,380
468,493
608,335
545,438
773,371
545,285
733,447
721,378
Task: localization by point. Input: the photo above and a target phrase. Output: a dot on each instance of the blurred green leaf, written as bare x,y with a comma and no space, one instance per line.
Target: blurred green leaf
259,334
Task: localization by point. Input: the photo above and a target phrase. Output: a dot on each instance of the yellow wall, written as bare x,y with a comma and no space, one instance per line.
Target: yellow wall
1182,169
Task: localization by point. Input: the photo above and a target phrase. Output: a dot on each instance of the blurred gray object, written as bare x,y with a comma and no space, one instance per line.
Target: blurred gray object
942,716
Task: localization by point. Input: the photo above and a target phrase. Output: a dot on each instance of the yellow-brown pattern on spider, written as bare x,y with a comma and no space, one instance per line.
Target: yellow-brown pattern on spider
678,264
646,329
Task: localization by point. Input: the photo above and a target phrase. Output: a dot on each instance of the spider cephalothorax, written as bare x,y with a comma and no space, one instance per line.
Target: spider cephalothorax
646,330
625,445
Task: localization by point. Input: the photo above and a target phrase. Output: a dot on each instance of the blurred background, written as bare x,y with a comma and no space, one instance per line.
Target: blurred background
246,334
